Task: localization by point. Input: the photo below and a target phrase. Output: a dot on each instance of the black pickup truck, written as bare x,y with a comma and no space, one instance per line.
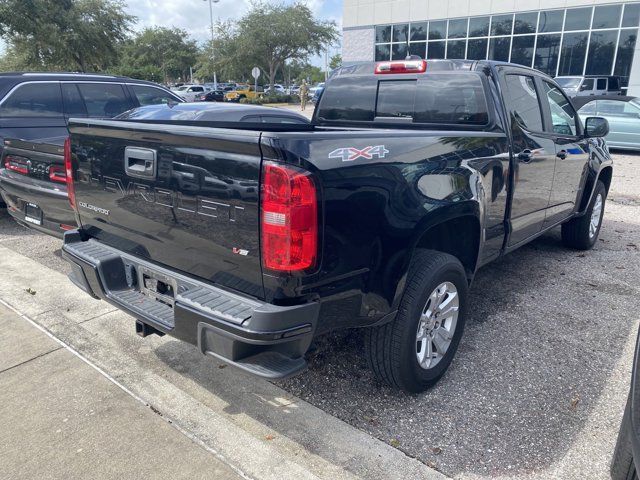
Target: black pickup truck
250,240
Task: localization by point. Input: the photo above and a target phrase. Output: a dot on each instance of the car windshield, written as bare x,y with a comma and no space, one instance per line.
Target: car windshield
182,89
568,82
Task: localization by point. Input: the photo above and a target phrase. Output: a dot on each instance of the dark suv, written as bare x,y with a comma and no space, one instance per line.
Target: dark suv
34,110
35,106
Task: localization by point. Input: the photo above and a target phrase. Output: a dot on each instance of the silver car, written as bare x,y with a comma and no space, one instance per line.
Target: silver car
623,114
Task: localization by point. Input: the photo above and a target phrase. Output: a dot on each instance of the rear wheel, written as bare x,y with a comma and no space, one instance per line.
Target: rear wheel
414,350
582,232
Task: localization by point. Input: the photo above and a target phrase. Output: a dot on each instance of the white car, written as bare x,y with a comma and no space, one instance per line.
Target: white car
189,92
312,90
277,88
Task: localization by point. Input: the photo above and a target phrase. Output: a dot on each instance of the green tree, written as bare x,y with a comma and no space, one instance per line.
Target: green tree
335,61
269,36
299,71
78,35
159,54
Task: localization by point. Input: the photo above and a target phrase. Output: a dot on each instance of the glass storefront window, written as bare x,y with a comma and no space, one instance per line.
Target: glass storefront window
631,17
626,45
438,30
525,22
456,48
477,49
547,50
435,50
578,19
419,49
598,40
572,53
400,32
419,31
383,34
607,16
479,26
499,49
522,50
501,24
398,51
457,28
602,47
551,21
383,52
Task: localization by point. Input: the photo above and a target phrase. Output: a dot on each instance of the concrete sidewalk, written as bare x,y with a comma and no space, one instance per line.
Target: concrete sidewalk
254,426
61,418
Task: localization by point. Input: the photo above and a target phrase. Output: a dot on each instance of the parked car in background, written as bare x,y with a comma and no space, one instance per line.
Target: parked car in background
188,92
243,91
277,88
590,85
34,110
313,89
210,96
623,114
316,95
33,184
36,106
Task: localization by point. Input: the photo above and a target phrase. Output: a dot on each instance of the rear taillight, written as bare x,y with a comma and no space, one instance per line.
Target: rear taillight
16,164
289,218
401,66
57,173
68,167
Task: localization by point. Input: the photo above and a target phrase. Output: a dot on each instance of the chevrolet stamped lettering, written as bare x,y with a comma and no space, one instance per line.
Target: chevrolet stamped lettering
166,198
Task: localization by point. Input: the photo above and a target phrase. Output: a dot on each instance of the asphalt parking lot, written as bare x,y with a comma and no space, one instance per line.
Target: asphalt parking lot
540,380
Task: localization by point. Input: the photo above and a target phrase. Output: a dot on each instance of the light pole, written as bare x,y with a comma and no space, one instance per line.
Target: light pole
211,2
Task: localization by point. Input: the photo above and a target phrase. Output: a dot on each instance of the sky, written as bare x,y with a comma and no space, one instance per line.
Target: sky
193,15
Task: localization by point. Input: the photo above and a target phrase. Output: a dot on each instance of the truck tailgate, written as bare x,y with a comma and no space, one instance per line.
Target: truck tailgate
180,196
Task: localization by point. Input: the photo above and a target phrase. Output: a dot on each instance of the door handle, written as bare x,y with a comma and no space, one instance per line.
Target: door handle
562,154
525,156
140,162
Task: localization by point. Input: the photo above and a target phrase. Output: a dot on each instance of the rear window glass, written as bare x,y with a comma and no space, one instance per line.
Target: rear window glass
434,99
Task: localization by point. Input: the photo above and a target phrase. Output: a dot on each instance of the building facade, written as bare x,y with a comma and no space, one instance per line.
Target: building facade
558,37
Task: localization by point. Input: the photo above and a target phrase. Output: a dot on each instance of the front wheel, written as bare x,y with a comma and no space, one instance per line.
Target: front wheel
414,350
582,233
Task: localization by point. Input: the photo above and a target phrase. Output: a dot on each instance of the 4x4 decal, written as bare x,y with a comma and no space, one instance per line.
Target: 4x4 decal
349,154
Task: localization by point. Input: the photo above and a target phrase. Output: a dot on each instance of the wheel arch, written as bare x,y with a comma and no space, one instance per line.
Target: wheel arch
455,230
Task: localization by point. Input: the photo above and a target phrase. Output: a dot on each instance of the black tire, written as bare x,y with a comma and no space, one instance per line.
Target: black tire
622,465
391,348
575,233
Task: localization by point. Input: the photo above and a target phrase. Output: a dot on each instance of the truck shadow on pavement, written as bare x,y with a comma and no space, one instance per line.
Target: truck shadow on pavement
546,327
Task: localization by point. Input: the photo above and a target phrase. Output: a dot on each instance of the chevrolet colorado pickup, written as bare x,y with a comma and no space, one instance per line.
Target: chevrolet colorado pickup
250,240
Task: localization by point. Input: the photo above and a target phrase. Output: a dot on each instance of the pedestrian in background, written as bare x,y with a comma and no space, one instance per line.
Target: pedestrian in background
304,94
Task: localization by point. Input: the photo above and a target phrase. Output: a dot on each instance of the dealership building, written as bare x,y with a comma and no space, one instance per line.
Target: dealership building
558,37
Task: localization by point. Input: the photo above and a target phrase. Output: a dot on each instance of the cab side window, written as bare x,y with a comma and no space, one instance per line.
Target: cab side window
601,84
151,95
104,100
524,103
563,115
33,100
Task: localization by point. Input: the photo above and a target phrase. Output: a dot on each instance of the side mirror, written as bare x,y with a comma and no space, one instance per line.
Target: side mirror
596,127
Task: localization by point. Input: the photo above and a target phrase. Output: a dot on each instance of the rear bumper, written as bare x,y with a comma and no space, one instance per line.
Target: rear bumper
264,339
18,190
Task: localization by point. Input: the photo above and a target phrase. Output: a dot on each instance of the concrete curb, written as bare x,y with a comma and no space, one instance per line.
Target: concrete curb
252,425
